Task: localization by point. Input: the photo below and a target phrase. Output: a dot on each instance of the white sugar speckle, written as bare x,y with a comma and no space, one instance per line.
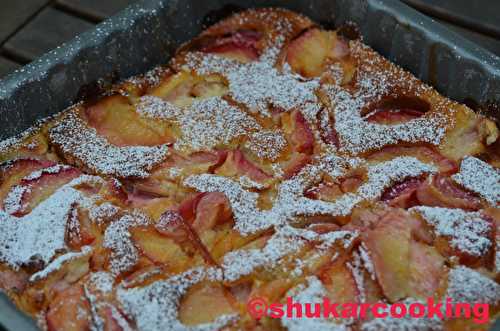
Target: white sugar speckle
469,232
480,177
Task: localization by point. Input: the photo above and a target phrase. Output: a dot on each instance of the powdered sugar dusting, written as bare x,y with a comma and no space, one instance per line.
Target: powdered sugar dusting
357,135
312,293
259,84
83,143
211,122
124,254
290,201
467,285
154,307
13,201
37,236
204,124
59,262
468,231
480,177
266,144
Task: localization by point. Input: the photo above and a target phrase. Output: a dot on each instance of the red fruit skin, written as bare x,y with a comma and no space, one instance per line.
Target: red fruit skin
236,165
37,187
326,126
244,42
393,116
295,165
12,172
300,134
178,225
441,191
403,194
427,153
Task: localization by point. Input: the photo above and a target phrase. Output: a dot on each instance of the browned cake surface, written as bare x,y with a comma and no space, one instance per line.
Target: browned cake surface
270,158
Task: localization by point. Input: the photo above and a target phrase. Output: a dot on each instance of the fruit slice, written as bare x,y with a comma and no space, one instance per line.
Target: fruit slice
237,165
183,88
70,310
12,172
158,248
36,187
295,164
324,191
426,154
79,230
177,225
206,210
426,270
204,303
298,132
470,135
310,52
162,181
389,247
116,119
340,284
326,126
241,45
403,194
441,191
398,110
329,191
113,319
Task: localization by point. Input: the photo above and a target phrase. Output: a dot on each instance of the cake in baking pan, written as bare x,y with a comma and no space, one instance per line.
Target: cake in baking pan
269,159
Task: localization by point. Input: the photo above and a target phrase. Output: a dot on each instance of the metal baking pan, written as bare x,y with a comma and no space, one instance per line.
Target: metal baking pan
146,34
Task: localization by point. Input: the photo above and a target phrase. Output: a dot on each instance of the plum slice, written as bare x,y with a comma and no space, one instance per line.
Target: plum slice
391,111
240,45
309,53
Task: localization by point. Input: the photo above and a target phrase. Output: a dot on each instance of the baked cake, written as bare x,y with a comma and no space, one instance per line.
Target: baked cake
270,158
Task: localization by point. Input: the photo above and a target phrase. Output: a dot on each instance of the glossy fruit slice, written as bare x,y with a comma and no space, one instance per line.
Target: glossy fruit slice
79,229
426,154
298,132
36,187
310,52
389,247
12,172
158,248
340,284
237,165
183,88
426,269
403,194
398,110
69,310
240,45
206,210
326,126
204,302
441,191
115,118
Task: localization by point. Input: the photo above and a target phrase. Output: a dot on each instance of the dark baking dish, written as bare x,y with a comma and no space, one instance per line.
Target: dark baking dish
146,34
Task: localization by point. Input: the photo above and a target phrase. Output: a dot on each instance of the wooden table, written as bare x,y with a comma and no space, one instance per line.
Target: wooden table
30,28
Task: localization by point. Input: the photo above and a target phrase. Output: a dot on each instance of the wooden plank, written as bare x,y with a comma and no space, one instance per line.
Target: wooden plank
48,30
94,9
13,14
7,66
478,15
